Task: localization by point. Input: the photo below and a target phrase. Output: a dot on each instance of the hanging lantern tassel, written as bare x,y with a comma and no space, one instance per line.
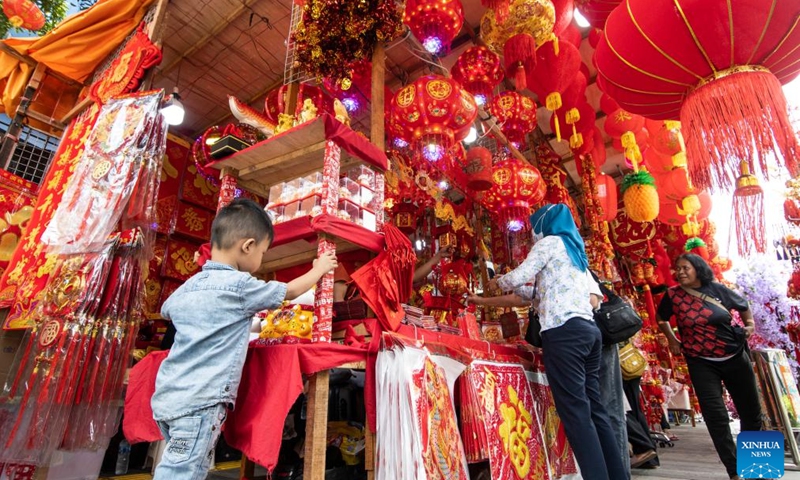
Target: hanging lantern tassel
697,246
573,117
748,213
553,103
500,8
519,58
718,130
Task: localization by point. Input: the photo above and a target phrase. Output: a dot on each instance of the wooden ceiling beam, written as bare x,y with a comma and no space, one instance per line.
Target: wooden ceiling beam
218,28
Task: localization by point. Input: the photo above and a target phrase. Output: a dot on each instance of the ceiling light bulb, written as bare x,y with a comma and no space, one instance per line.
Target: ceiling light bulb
472,135
173,110
580,20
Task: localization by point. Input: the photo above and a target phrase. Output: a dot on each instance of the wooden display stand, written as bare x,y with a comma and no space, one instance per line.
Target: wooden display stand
292,154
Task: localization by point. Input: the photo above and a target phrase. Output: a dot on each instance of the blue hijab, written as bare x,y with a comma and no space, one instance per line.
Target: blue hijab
557,220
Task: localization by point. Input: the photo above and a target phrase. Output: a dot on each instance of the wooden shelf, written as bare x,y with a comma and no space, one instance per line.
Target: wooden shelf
292,154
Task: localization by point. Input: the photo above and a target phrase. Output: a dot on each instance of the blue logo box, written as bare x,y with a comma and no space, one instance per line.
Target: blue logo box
760,454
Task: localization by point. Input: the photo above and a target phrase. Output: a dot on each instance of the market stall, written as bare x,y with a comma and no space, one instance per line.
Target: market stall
414,141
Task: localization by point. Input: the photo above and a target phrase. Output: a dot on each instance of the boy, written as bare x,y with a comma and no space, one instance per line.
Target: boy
212,312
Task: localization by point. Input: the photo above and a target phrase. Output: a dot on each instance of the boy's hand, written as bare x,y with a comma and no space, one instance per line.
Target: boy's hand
326,262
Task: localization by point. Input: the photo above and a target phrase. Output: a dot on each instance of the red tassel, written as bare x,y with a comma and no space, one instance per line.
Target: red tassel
500,8
749,222
519,58
719,131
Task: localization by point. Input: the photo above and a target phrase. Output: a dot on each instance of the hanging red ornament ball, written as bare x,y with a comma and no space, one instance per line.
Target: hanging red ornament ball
435,23
516,114
657,163
24,14
517,188
665,138
620,121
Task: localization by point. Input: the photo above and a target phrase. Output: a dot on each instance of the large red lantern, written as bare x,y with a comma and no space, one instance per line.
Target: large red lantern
431,115
516,114
276,101
516,189
620,121
718,67
556,68
24,14
478,71
529,24
435,23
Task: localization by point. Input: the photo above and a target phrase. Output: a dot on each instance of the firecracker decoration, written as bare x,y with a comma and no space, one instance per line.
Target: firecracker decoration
668,61
335,33
431,115
435,23
478,71
748,219
639,196
598,246
516,114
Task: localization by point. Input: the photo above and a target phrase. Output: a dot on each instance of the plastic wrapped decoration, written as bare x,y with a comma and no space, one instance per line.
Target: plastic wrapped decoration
39,395
113,332
107,173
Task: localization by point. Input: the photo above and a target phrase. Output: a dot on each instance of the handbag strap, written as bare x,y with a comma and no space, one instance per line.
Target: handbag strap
704,297
610,295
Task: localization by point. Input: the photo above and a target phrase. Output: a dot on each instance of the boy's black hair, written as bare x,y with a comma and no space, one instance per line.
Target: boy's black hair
701,268
240,219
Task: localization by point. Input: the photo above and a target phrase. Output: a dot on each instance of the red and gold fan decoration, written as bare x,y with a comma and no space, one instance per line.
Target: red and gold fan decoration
478,71
688,59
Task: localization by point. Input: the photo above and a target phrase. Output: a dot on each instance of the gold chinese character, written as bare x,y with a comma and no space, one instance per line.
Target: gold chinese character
515,430
193,220
486,393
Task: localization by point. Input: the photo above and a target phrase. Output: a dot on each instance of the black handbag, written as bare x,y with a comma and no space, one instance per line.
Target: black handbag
615,318
533,334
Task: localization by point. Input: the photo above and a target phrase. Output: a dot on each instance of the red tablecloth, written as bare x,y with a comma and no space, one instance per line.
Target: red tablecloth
271,382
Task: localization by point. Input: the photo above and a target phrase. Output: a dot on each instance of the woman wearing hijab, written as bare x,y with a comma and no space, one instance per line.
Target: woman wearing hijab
557,269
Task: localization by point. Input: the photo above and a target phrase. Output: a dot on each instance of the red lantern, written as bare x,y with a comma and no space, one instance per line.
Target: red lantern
596,11
665,138
516,113
431,115
620,121
705,205
572,34
607,196
435,23
23,14
276,101
674,185
598,154
529,23
642,140
718,66
564,11
668,213
517,188
657,164
478,71
554,72
608,105
479,169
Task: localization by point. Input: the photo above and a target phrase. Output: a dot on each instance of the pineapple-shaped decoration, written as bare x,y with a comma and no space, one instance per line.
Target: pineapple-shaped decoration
638,188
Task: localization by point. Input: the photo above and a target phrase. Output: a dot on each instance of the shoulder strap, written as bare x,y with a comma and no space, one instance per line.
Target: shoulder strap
704,297
606,291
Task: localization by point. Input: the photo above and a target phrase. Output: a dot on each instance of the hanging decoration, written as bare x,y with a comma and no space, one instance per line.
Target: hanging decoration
478,71
528,26
24,14
556,68
431,115
598,247
517,188
638,188
667,61
277,100
335,33
748,219
435,23
596,11
516,114
479,169
554,177
607,196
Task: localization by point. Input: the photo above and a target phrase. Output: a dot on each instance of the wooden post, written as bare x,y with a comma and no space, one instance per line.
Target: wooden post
377,134
155,32
11,138
291,99
316,426
247,469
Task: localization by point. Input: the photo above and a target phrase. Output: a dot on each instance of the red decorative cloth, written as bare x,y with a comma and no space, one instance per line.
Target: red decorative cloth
271,382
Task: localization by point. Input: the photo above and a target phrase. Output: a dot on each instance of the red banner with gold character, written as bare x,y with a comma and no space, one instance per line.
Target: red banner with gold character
559,453
179,261
516,443
30,266
17,197
196,190
193,222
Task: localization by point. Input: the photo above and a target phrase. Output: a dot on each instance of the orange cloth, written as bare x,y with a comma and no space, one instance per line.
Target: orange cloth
74,48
